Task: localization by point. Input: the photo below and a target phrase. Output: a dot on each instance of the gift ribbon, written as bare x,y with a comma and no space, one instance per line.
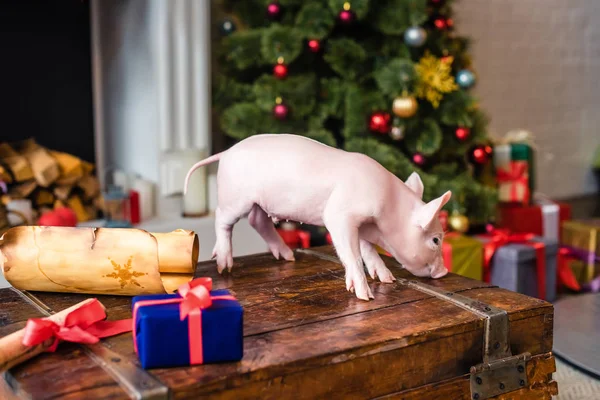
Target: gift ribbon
194,297
447,250
515,174
565,274
501,237
85,324
550,217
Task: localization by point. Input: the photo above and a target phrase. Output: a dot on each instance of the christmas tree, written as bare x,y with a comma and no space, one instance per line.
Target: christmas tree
387,78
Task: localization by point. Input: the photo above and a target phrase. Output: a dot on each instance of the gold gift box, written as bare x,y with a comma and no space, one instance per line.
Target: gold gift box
583,235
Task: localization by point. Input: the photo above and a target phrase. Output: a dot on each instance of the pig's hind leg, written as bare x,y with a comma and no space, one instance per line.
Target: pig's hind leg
374,263
344,234
261,222
225,219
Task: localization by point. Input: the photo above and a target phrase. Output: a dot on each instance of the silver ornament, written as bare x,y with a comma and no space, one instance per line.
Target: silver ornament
415,36
397,133
465,79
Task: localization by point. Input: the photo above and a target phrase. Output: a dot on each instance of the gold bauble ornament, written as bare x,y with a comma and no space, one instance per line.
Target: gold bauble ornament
405,106
458,223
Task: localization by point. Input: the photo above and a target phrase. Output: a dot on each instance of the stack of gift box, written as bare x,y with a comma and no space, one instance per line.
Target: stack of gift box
535,247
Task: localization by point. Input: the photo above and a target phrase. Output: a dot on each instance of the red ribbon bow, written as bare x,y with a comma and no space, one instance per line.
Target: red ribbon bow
85,325
195,297
502,237
515,174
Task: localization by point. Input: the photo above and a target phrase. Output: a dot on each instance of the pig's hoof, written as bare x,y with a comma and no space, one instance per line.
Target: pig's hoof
385,275
224,261
360,287
284,252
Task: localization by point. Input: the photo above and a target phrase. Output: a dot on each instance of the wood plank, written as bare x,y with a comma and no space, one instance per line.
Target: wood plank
13,313
66,374
539,374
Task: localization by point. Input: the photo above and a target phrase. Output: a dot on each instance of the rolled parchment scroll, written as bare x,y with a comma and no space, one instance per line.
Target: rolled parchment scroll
116,261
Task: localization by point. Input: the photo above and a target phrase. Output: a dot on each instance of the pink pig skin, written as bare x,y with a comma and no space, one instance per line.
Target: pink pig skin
284,176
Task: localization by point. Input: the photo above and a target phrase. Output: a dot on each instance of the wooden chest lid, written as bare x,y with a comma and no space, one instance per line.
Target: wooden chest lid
305,337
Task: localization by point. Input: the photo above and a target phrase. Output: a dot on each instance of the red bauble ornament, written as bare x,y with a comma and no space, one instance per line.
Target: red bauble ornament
440,23
273,10
346,16
280,111
479,155
462,133
418,159
280,71
68,216
380,122
314,45
449,23
489,150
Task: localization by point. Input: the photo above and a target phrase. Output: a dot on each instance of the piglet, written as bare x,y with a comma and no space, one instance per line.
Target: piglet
283,176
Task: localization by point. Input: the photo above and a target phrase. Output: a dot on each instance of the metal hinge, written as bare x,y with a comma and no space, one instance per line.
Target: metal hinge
500,372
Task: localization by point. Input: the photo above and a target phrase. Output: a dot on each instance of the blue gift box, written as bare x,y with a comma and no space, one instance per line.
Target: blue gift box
163,339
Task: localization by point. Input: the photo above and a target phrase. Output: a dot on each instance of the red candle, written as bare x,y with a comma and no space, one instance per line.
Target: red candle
134,206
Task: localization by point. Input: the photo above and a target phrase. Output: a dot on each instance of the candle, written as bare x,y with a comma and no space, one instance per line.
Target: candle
195,201
121,180
145,191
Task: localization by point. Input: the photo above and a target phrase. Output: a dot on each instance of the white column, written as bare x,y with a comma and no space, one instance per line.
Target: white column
98,92
182,68
163,61
201,52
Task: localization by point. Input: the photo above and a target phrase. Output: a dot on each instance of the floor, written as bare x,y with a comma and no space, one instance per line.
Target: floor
574,384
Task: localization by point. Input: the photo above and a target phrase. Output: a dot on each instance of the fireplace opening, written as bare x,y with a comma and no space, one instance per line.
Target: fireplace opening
46,91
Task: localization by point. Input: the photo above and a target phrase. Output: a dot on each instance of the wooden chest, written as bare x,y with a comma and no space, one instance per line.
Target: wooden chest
306,337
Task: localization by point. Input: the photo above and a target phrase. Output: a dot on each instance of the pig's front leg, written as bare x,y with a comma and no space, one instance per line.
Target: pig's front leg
344,234
374,263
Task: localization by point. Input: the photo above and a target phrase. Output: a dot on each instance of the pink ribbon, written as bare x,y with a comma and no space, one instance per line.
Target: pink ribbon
195,297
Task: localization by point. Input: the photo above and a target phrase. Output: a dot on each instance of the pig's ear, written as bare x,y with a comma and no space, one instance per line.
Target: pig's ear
414,182
425,214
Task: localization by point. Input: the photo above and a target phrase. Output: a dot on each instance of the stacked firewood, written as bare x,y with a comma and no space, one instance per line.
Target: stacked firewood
48,179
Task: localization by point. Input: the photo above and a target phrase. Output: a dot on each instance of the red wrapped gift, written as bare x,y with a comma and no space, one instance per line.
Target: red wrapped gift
543,218
294,237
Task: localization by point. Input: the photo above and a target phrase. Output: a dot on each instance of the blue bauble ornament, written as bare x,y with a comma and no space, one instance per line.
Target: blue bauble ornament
415,36
227,27
465,79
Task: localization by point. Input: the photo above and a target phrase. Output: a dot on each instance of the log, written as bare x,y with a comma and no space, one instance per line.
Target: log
90,186
74,202
43,197
18,165
14,352
115,261
5,175
69,166
44,166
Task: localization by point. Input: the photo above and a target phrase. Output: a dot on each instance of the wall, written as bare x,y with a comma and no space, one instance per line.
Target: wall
538,63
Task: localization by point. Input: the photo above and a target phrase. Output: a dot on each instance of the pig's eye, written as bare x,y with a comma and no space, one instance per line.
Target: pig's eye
436,241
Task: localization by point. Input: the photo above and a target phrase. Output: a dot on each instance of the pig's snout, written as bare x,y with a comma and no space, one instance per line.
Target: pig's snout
439,273
438,270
